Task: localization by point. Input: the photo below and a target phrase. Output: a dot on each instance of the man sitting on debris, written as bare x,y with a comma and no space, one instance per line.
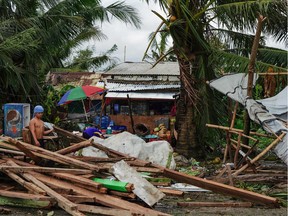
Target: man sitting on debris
36,127
92,131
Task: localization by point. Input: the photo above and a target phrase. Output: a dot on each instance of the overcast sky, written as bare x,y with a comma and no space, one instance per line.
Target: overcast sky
135,40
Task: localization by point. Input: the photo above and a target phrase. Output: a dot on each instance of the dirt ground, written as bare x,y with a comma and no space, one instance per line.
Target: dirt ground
169,205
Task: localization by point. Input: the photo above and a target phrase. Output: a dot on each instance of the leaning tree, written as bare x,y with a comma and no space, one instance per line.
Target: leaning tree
209,37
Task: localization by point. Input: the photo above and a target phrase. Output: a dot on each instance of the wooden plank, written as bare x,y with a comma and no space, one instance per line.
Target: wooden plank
64,159
10,146
109,152
78,179
68,134
8,151
101,160
171,192
103,199
75,147
28,152
17,169
102,190
104,210
80,199
148,169
25,195
28,185
17,202
64,203
221,188
215,204
122,194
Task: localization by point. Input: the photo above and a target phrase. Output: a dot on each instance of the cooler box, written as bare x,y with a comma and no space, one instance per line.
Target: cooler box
16,117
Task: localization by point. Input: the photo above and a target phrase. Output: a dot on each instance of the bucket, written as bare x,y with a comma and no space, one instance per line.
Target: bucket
141,129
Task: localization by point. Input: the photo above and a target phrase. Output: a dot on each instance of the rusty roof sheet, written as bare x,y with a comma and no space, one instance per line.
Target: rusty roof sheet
72,78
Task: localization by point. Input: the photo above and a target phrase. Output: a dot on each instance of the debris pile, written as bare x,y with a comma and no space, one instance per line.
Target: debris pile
79,184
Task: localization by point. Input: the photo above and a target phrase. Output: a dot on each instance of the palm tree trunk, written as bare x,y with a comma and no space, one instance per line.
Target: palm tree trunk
185,123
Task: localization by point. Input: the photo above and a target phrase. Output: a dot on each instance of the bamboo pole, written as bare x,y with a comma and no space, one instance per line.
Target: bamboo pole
274,143
251,69
228,146
237,130
274,73
242,145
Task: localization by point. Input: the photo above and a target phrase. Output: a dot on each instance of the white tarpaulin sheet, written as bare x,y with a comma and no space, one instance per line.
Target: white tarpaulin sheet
277,105
235,87
159,152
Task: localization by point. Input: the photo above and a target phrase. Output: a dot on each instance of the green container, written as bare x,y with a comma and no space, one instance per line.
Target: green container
112,185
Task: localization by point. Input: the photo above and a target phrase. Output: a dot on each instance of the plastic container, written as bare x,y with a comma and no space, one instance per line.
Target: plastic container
111,124
104,122
109,130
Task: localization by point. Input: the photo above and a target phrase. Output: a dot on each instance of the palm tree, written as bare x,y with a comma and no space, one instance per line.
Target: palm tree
194,25
84,61
36,35
159,47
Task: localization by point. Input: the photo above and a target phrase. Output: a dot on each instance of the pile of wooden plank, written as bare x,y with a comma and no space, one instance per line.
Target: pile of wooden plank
47,178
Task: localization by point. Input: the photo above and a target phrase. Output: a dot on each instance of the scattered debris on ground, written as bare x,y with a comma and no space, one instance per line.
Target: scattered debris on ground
117,184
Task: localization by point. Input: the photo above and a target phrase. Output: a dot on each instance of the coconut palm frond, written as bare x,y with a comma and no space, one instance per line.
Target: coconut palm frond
273,56
231,62
163,57
236,40
151,38
240,15
124,12
193,30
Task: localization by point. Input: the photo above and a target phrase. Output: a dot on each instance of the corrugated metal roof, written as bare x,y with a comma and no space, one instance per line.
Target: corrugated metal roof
120,87
144,68
166,95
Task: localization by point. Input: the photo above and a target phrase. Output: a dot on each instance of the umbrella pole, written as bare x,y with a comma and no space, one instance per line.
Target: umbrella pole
84,110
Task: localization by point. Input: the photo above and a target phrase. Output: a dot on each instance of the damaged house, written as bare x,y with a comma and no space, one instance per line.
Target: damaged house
151,91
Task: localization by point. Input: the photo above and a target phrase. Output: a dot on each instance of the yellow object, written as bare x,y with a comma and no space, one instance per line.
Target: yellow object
216,160
156,129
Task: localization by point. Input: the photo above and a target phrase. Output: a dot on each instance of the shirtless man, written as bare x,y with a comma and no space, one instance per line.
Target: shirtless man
36,126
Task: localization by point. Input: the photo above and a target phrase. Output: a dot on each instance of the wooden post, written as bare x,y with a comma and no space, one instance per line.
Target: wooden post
130,113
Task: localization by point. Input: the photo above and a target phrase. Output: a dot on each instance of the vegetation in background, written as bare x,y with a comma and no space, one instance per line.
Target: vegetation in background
85,61
36,35
50,99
